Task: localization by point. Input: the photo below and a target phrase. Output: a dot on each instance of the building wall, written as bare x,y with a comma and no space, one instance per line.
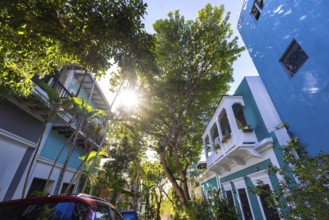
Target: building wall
303,99
19,135
53,145
16,121
208,186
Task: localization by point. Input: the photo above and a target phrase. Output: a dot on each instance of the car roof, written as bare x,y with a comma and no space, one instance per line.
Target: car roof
84,198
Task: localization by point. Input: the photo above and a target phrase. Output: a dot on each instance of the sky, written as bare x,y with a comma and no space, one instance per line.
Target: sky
159,9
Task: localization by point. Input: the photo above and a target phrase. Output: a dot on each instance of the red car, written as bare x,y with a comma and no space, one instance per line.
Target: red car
59,207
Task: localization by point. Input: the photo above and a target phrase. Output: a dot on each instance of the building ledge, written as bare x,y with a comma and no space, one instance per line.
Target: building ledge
236,154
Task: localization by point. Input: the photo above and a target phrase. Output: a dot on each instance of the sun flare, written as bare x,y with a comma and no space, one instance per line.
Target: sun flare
129,98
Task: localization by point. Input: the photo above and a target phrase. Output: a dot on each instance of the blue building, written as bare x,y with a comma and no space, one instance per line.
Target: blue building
241,140
25,125
288,43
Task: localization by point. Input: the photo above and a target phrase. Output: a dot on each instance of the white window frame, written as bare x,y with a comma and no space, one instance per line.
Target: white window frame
240,183
265,179
255,4
227,186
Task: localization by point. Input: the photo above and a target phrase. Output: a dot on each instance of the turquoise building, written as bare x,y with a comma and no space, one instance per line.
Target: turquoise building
288,43
241,140
25,125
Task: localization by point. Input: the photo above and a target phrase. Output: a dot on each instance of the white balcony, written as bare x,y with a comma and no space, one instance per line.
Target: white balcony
236,149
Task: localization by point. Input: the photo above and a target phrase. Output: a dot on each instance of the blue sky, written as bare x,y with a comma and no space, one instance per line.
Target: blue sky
159,9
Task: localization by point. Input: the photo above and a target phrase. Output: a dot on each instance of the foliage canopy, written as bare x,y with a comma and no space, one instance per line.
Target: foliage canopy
38,36
194,60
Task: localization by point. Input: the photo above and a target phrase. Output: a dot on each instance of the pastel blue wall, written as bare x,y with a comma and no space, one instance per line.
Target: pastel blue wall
209,184
302,100
255,120
74,86
251,112
53,145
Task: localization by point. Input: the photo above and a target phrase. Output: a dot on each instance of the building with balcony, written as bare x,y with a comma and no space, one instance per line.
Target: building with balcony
241,140
26,124
288,43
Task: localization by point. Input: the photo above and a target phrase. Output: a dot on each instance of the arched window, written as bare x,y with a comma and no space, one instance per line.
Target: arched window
239,116
215,136
224,124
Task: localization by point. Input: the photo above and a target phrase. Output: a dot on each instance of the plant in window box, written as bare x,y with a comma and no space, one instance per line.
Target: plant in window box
217,146
247,129
225,138
217,143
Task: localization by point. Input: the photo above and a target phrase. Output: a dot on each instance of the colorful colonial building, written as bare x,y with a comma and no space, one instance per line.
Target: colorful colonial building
288,43
241,140
25,124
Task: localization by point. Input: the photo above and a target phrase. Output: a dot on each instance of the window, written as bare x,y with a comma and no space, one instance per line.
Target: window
224,124
36,188
102,212
239,116
214,132
229,197
245,204
45,210
269,212
116,214
64,187
293,58
257,8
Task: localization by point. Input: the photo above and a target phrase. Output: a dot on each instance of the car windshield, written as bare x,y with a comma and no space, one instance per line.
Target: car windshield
53,211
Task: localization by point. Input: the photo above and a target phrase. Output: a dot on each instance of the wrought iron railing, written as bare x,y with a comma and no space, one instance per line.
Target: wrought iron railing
54,83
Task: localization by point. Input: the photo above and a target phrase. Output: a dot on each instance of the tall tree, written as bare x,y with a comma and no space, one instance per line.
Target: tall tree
195,61
83,114
37,36
154,183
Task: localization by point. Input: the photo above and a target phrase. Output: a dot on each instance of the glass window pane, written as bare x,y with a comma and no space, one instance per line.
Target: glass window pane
245,204
293,58
269,212
54,211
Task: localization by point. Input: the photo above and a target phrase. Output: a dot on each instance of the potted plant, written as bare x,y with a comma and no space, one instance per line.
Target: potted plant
225,138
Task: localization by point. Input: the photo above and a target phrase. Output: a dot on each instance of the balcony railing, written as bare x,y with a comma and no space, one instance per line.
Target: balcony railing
239,146
54,83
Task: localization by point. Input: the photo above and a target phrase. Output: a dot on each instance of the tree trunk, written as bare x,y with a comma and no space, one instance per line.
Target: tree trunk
182,174
61,174
178,190
55,162
137,192
80,169
94,162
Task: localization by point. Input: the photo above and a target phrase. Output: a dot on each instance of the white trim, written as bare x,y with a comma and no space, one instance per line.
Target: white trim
264,103
265,178
239,183
50,163
260,176
18,139
227,186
